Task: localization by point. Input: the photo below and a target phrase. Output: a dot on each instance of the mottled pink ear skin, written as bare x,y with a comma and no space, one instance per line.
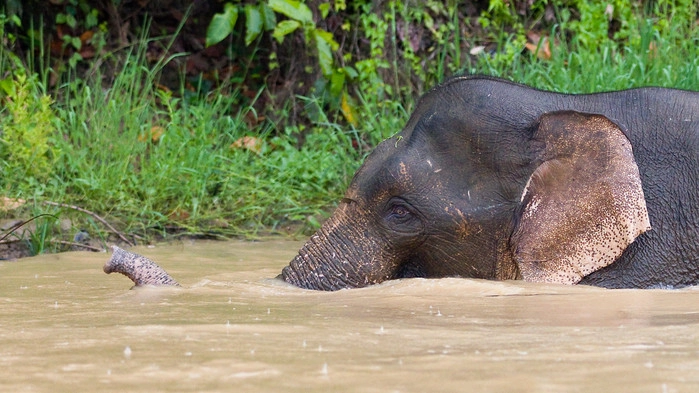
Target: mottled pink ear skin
583,205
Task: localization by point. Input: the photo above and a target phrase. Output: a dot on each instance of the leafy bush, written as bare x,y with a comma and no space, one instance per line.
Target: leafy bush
27,125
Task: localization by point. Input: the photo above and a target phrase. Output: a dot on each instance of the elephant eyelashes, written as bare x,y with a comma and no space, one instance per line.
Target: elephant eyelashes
348,201
399,212
400,217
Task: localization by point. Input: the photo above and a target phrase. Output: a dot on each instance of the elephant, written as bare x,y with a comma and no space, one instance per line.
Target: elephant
490,179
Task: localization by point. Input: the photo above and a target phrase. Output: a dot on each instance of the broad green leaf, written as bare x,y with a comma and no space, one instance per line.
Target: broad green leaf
293,9
347,108
351,72
72,41
67,19
327,37
283,28
76,43
92,19
74,59
253,23
221,25
16,20
324,10
268,16
337,82
71,21
325,56
6,85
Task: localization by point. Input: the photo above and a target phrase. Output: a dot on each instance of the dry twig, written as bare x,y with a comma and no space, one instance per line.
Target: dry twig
95,216
91,248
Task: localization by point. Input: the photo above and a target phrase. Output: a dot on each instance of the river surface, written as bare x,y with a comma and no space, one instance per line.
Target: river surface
65,326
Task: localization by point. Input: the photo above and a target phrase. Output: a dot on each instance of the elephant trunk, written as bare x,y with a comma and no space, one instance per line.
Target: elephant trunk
338,256
141,270
316,267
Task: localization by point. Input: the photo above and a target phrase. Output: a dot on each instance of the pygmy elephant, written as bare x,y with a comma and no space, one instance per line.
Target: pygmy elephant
495,180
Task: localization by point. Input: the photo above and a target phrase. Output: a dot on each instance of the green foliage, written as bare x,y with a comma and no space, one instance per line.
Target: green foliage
160,160
300,16
222,24
648,54
590,26
217,160
593,27
263,17
26,149
9,20
376,28
36,232
39,237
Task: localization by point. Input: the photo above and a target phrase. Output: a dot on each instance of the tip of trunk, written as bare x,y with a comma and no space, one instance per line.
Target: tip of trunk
141,270
303,273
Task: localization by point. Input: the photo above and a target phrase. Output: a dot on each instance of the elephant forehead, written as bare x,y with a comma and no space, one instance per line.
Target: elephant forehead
394,176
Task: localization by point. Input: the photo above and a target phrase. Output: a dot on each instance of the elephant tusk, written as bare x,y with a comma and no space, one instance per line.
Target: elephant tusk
141,270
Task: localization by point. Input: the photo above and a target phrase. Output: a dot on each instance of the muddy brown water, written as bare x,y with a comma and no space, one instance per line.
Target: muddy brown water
65,326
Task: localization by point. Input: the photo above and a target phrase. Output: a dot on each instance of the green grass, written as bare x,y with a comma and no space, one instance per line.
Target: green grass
650,58
192,179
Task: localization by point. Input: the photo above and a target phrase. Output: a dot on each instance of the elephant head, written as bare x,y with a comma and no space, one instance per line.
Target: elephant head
467,189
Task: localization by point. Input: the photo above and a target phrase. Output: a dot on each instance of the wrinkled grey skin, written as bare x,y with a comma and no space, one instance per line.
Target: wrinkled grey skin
141,270
454,193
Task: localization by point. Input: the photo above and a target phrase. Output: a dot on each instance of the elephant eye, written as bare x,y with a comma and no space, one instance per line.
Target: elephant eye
401,217
399,211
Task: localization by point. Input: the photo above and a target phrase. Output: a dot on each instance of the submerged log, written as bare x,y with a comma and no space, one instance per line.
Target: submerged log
141,270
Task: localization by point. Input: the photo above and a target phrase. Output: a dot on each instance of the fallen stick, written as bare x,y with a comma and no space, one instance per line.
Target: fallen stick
65,243
20,224
96,217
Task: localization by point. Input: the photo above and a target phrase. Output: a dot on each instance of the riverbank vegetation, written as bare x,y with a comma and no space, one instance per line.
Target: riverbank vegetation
246,117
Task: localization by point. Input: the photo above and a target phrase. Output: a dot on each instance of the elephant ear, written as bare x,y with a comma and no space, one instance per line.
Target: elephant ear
584,203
